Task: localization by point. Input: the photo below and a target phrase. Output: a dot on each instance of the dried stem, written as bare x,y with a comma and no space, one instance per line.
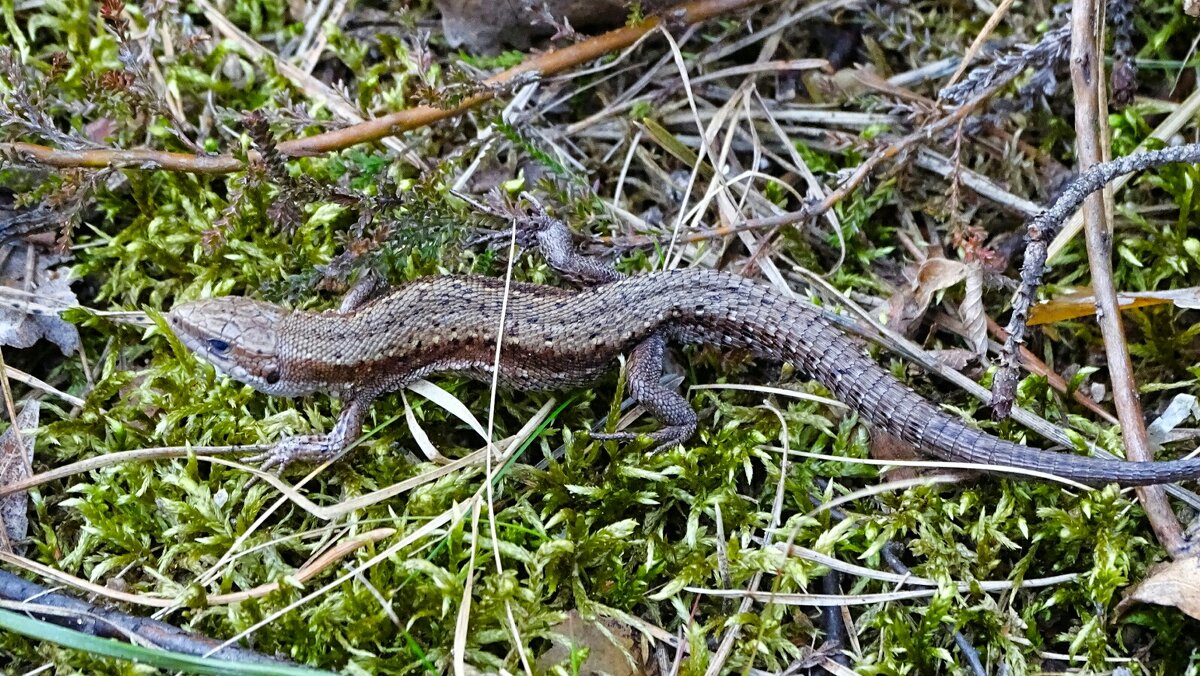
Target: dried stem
138,158
1085,80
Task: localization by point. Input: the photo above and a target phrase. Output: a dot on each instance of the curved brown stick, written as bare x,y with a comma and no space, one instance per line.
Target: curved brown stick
545,64
548,63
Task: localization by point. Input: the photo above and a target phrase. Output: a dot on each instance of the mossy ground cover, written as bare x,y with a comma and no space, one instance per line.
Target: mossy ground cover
610,531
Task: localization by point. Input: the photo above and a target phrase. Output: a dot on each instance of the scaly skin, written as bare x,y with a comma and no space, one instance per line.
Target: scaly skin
556,338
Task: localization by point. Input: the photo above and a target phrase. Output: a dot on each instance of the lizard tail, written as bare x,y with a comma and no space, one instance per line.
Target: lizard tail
777,327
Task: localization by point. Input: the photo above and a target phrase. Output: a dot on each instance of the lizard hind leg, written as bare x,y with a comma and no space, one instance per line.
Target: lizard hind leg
666,405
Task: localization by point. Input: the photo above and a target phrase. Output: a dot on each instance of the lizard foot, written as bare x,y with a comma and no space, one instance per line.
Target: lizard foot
664,438
527,230
313,447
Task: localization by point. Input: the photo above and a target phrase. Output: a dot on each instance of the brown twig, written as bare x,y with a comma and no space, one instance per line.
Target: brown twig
540,65
1038,367
138,158
548,63
1085,81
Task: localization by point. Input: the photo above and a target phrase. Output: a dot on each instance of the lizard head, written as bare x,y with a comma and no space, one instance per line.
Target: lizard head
240,337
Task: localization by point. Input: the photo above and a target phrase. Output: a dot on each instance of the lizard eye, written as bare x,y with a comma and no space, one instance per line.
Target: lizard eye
272,377
218,346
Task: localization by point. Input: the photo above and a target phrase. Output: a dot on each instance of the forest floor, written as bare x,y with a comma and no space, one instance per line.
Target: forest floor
880,158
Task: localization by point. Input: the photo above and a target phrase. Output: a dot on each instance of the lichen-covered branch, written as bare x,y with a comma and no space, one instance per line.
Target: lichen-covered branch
1041,231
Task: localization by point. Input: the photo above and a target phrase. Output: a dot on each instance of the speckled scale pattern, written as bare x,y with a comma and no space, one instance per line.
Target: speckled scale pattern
557,338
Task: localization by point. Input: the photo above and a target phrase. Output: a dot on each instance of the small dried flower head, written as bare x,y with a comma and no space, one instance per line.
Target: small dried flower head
59,62
117,80
113,13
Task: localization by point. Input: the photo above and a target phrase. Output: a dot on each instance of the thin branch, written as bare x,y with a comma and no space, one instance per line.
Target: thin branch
1085,80
138,158
99,621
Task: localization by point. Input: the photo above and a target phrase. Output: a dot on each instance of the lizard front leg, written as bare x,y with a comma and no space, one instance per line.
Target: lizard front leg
320,447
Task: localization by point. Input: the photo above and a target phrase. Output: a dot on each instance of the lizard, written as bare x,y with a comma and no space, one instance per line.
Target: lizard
557,338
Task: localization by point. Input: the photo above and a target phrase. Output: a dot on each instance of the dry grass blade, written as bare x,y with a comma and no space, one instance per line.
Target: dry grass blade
794,394
100,461
310,85
41,385
453,405
940,464
870,573
464,612
815,600
420,438
980,38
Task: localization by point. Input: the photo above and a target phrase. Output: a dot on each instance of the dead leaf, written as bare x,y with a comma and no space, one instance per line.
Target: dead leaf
610,647
102,130
22,325
1174,583
906,308
886,446
956,358
972,312
16,464
1081,303
1182,407
903,312
486,25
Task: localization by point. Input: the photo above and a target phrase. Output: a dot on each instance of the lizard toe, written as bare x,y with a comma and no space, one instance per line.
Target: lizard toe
663,439
294,449
615,436
669,437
